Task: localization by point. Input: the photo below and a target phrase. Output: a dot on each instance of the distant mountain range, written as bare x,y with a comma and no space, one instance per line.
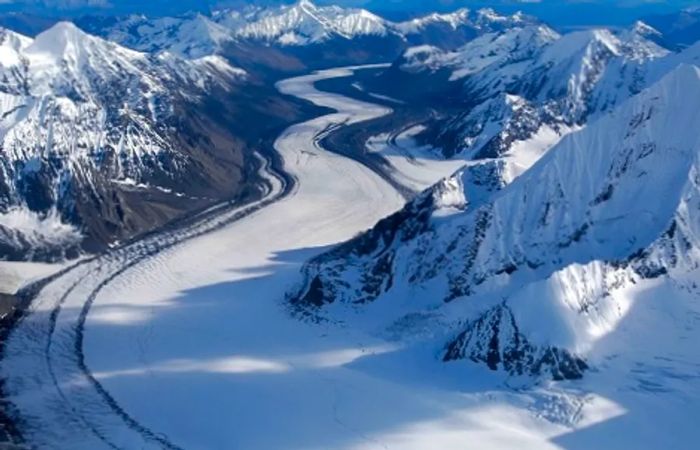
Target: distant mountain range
559,14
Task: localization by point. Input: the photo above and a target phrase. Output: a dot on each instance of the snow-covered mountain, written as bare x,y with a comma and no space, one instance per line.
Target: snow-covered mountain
191,36
302,23
527,81
296,26
531,277
105,138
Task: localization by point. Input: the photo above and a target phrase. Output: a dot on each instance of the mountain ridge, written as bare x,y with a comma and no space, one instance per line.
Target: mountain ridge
441,253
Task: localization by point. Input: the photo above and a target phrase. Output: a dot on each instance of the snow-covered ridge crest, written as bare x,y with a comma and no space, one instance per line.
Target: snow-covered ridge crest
66,61
609,206
11,44
68,71
573,62
454,20
300,23
59,58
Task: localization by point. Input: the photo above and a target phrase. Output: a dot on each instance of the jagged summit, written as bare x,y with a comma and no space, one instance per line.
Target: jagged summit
561,81
66,61
12,44
454,20
644,29
66,41
60,38
304,22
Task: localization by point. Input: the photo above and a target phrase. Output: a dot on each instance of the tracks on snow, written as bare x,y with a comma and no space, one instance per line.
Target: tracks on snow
90,408
95,274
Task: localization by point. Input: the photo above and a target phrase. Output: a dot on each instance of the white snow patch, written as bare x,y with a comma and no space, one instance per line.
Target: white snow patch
16,275
39,228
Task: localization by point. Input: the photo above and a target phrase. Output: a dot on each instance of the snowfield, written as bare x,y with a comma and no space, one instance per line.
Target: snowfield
192,346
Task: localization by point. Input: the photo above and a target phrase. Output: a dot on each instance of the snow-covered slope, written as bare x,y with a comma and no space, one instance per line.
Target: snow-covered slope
660,67
531,277
489,50
304,22
11,44
87,123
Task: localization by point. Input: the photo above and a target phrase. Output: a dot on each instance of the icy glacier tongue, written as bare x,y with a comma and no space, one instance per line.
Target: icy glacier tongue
531,277
200,353
539,291
196,344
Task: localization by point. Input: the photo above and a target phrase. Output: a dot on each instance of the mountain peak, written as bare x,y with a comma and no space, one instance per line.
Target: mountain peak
490,15
64,37
643,29
11,46
640,42
572,45
64,30
305,4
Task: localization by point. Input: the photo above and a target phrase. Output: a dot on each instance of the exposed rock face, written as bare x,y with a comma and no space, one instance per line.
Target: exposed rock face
495,340
373,252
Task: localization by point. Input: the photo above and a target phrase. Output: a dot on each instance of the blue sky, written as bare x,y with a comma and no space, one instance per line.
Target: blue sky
563,12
